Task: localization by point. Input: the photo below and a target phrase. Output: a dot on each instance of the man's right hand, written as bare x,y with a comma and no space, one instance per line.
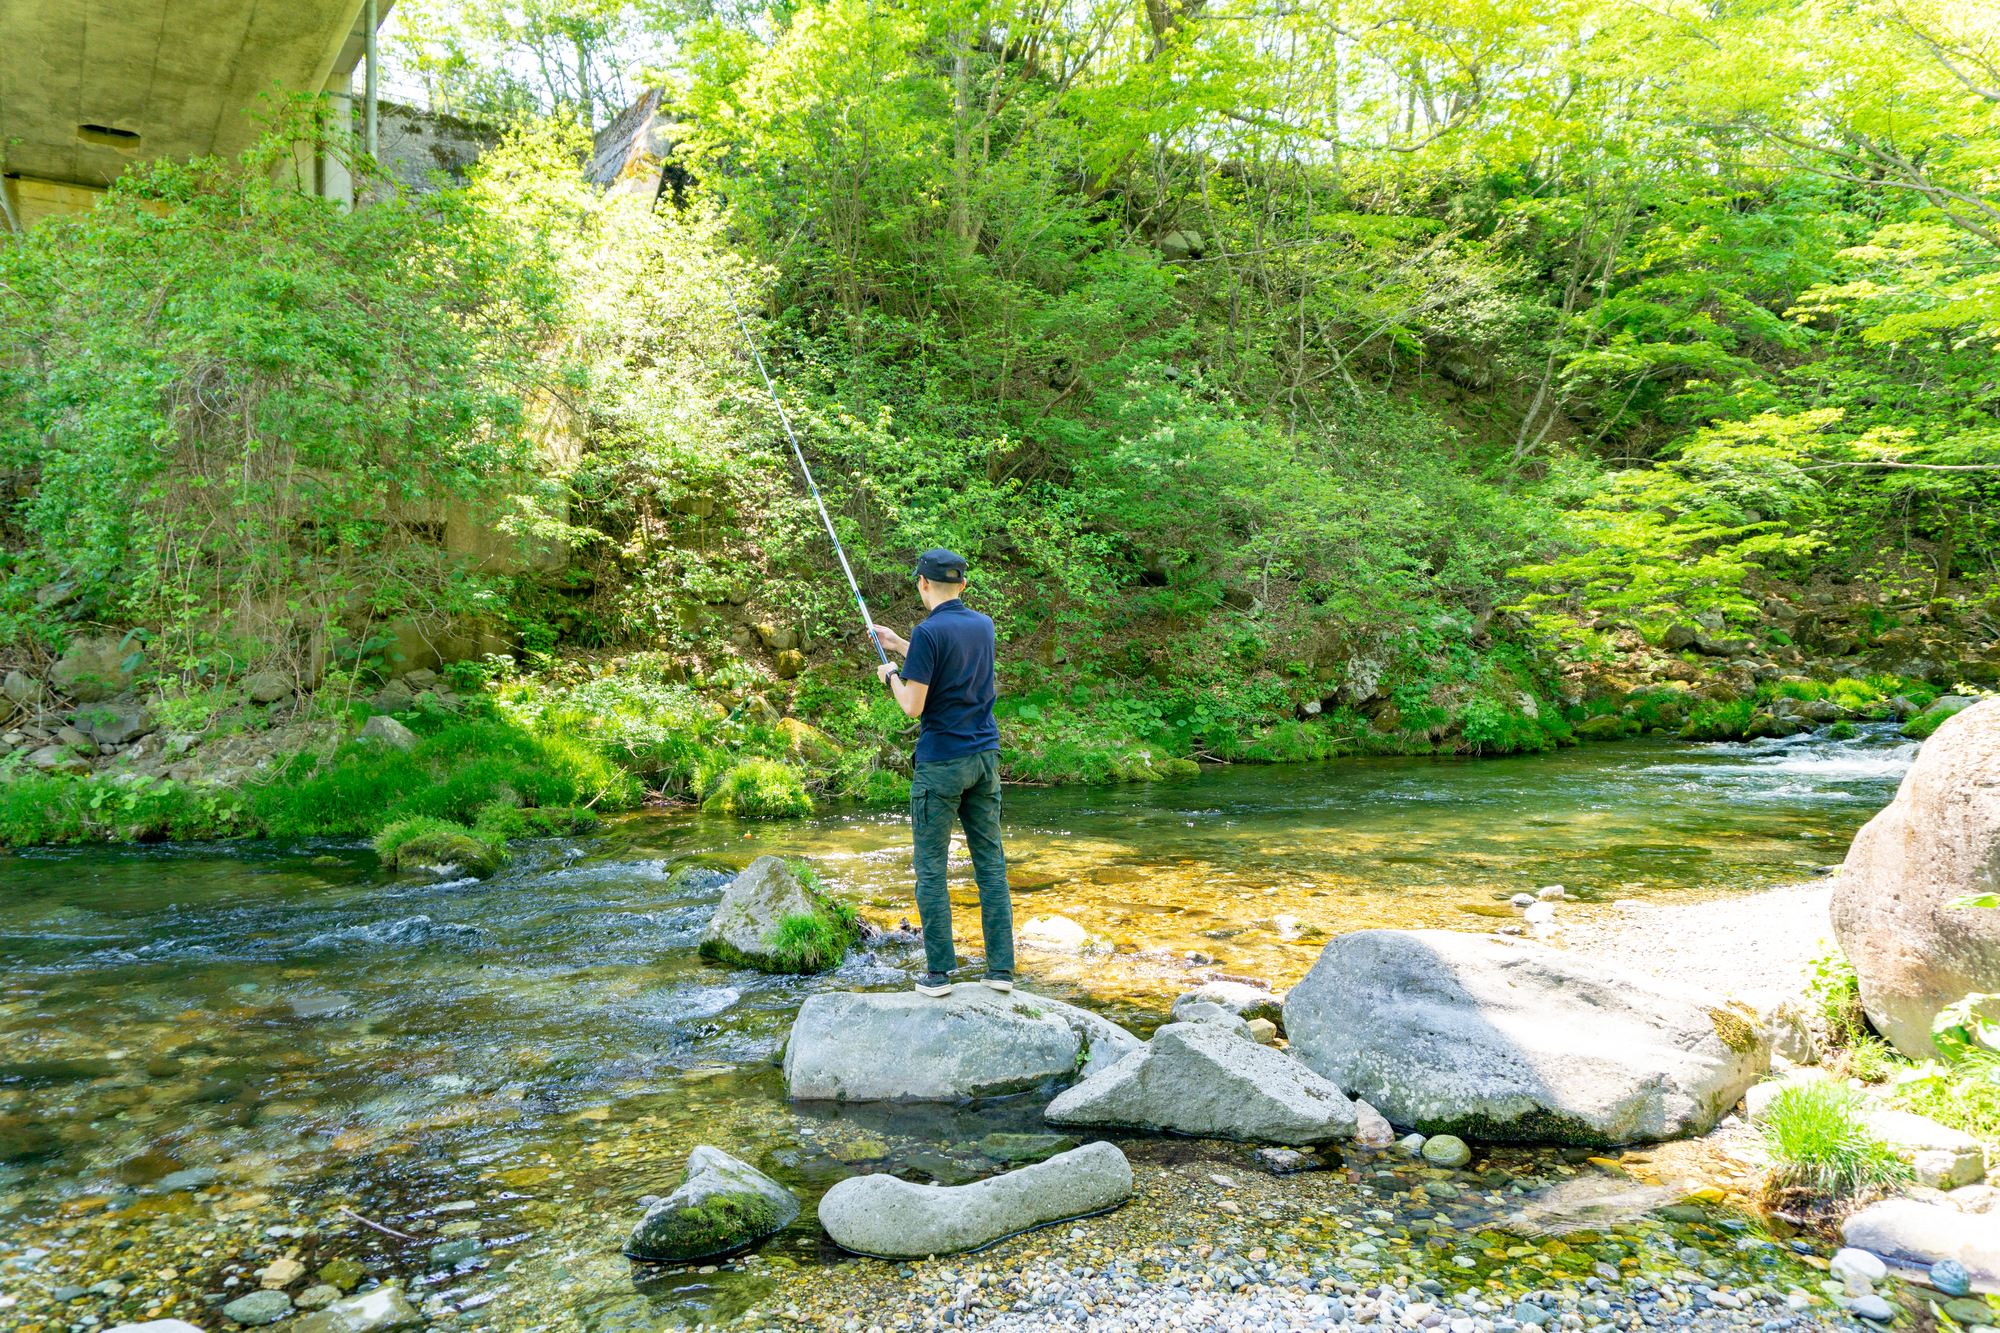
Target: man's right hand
891,640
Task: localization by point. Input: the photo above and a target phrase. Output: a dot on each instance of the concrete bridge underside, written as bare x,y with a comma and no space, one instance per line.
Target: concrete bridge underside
87,87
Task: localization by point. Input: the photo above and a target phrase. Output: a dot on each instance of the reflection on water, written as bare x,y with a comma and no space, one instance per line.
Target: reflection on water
546,1045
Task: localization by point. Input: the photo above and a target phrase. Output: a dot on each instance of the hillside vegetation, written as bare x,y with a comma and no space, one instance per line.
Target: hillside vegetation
1298,382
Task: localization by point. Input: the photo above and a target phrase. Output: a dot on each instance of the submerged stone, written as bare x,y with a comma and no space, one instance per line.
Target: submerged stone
720,1205
259,1307
371,1312
1024,1147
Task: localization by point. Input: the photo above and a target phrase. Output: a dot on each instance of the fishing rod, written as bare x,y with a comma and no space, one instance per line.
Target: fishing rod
811,485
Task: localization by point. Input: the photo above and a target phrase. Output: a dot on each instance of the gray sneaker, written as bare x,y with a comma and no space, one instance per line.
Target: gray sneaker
1000,981
934,984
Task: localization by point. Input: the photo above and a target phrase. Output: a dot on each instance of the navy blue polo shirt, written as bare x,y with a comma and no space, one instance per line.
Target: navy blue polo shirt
952,652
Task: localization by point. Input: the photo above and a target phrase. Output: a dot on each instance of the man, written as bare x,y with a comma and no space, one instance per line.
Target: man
947,680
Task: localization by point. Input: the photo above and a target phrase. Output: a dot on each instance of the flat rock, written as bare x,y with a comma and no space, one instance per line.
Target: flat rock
1492,1039
1243,1000
1203,1080
1937,840
891,1219
1926,1233
371,1312
975,1042
114,723
1942,1158
720,1205
1758,1097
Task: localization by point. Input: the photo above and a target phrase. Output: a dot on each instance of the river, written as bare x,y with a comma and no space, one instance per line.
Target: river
543,1047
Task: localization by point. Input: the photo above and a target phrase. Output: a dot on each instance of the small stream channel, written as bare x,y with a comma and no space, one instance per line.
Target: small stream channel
513,1062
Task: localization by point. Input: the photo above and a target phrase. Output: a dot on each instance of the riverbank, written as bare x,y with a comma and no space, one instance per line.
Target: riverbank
1743,941
615,733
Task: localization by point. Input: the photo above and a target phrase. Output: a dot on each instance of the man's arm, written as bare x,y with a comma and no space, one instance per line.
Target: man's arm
910,695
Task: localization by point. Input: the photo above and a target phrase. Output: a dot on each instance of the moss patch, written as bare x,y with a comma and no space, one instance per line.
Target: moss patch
722,1222
422,840
1736,1030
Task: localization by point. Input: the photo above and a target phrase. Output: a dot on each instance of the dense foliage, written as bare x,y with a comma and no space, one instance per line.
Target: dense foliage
1298,382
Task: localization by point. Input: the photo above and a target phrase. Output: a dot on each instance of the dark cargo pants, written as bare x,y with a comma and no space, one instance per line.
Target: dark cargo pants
969,788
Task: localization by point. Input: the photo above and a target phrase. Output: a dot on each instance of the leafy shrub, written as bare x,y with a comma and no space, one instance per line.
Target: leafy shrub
1819,1142
760,787
421,839
1835,991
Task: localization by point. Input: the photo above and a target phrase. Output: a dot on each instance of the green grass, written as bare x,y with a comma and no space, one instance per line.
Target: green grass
813,941
760,787
1818,1141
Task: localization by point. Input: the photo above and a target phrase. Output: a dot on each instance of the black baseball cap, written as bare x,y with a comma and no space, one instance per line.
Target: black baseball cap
941,566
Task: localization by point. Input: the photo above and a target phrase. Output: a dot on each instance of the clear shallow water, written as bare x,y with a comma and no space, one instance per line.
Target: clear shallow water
548,1045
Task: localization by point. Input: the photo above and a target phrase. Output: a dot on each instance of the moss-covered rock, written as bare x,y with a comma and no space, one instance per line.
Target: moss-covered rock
411,843
722,1204
778,918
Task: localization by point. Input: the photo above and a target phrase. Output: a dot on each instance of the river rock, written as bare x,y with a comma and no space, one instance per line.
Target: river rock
58,759
1497,1039
386,730
1204,1012
1057,934
1942,1158
114,723
752,907
975,1042
1926,1233
1758,1097
1370,1129
1718,645
1785,1016
158,1326
1937,840
370,1312
1678,638
1949,1276
1446,1150
1205,1081
96,668
1240,998
259,1307
891,1219
720,1205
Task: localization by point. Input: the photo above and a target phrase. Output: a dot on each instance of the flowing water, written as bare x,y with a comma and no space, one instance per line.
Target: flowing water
506,1065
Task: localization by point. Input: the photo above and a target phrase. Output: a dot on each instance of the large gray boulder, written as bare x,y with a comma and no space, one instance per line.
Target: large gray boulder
1927,1233
754,905
1240,998
888,1218
1205,1080
1938,840
1496,1039
720,1205
903,1047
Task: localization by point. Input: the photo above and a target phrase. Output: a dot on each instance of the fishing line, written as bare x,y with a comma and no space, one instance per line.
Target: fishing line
811,485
